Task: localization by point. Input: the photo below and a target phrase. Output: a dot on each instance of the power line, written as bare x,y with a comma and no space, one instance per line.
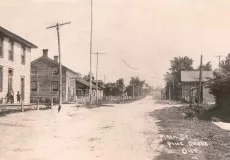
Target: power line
57,26
129,65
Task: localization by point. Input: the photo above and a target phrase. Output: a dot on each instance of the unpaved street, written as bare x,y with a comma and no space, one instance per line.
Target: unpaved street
122,132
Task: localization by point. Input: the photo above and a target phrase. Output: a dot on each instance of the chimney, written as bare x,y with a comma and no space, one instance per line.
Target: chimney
56,59
45,52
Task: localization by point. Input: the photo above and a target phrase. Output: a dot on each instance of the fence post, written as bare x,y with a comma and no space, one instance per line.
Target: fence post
38,104
52,103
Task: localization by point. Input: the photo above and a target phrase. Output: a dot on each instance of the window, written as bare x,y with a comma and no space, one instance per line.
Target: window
23,56
1,46
1,79
11,51
55,71
34,86
54,86
33,71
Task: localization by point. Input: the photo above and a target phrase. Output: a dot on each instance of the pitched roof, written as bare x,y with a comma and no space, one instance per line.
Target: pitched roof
84,82
54,62
16,38
193,76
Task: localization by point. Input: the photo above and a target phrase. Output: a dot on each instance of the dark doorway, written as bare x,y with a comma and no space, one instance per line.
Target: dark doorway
22,88
10,80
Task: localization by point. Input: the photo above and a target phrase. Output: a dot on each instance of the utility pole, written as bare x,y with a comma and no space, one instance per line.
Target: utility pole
169,93
96,76
219,56
104,79
57,26
200,79
91,44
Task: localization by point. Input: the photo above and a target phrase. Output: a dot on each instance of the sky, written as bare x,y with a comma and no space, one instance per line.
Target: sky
147,34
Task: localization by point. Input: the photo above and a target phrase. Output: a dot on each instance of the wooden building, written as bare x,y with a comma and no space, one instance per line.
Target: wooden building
15,55
101,86
45,80
190,84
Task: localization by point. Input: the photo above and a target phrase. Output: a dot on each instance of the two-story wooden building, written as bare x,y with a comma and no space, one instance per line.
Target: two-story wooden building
15,55
45,80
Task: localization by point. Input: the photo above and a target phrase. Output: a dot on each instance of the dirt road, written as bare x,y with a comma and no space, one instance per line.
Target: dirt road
122,132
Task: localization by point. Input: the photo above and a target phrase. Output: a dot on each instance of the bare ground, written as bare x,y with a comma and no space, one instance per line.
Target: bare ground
124,132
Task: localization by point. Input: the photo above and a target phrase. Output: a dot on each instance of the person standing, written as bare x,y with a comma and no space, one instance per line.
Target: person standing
18,97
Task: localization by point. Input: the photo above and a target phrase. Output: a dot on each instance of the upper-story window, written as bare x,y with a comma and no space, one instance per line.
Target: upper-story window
11,50
23,56
33,71
54,86
34,86
1,46
55,71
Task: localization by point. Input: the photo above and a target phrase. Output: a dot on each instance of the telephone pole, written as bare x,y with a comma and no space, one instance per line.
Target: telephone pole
104,79
200,79
91,44
57,26
219,56
96,76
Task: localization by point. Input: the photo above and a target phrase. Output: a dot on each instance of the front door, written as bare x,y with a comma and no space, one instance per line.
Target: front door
22,88
10,79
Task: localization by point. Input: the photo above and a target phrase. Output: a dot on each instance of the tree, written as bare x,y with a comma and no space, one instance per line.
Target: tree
219,85
114,89
137,84
120,86
110,89
173,77
206,67
181,63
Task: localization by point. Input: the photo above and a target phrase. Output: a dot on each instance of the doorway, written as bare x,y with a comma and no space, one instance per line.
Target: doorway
10,80
22,88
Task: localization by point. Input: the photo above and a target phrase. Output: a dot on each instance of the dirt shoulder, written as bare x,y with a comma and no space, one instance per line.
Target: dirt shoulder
190,139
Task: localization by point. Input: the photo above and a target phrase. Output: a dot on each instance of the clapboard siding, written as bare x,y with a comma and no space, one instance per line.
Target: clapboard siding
44,80
18,70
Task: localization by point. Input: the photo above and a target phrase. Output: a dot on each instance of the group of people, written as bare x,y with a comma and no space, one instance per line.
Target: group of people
10,97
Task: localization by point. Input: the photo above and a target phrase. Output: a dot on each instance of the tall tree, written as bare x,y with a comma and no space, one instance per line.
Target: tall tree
120,85
219,85
181,63
206,67
137,84
173,78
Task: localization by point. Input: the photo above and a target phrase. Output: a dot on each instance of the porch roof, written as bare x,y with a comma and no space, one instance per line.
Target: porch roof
87,84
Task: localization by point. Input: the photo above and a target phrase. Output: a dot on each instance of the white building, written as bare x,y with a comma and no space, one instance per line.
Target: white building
15,58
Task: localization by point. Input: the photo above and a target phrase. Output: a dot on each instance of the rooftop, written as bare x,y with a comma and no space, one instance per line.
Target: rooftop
193,76
16,38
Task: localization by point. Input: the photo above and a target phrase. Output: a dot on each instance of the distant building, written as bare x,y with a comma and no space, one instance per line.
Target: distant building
45,79
190,85
101,87
15,54
83,87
